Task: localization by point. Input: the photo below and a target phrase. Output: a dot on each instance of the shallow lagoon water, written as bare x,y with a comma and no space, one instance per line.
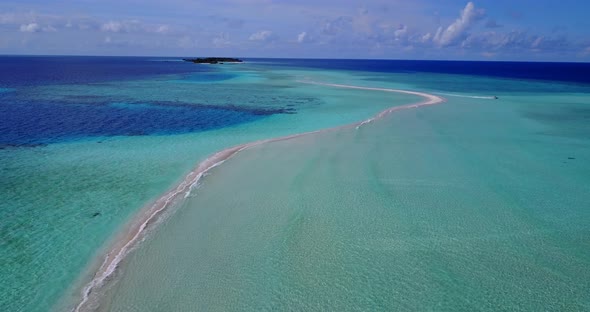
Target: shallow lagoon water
68,190
468,205
472,204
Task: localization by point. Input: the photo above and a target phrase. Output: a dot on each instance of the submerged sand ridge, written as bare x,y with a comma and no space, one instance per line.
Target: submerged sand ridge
134,233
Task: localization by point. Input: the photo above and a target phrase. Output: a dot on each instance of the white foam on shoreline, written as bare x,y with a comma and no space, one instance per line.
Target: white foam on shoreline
147,215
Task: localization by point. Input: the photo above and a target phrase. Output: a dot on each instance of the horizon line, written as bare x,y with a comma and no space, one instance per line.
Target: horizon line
295,58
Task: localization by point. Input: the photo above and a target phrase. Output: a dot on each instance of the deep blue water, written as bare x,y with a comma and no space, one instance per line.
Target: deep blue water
564,72
31,116
31,124
19,71
28,117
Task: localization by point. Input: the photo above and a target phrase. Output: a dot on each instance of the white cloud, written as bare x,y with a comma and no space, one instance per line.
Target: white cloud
537,42
263,35
135,26
401,32
437,34
301,37
112,27
162,29
385,28
30,28
514,41
49,28
126,26
458,29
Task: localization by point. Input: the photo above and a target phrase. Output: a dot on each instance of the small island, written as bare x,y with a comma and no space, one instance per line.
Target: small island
213,60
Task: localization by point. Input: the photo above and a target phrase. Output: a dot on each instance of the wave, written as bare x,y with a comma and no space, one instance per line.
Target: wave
150,213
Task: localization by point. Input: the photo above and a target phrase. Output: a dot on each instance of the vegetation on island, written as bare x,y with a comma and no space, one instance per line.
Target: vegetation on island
213,60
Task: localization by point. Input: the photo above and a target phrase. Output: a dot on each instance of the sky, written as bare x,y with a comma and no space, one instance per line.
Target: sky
520,30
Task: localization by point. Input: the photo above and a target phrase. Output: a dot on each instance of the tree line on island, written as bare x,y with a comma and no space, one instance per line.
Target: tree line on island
212,60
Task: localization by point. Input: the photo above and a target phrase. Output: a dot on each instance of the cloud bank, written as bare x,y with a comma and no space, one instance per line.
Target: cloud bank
457,31
302,28
263,36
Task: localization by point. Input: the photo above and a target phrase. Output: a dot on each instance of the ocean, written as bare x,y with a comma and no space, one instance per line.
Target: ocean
467,203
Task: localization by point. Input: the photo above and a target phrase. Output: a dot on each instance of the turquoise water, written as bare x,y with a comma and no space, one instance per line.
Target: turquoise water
64,201
473,204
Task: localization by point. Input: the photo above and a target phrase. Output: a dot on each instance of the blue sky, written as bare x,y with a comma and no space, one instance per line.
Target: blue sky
535,30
